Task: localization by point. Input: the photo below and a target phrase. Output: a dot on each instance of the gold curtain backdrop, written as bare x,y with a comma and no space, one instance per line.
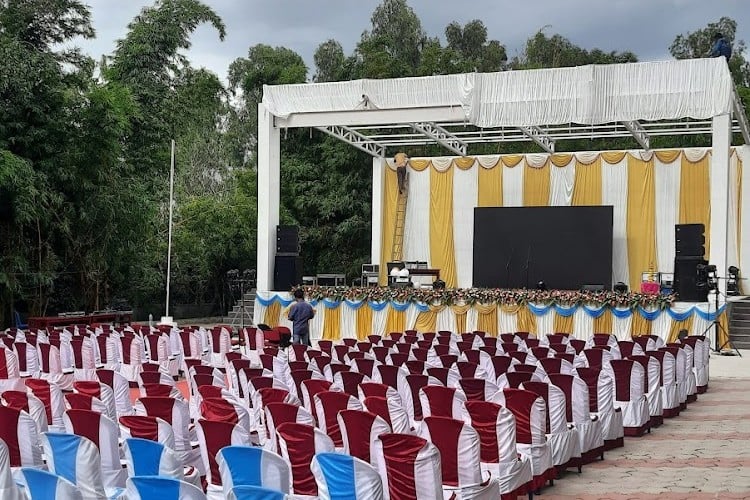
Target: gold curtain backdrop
631,181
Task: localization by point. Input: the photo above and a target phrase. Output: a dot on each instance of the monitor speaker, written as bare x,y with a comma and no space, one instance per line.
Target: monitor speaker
685,278
689,240
287,272
287,239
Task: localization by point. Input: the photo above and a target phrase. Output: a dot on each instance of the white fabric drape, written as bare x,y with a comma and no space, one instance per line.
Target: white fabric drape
472,318
545,323
417,224
667,184
379,319
661,326
446,320
464,200
348,321
621,327
562,180
583,324
506,323
615,194
744,155
316,324
411,316
733,258
513,184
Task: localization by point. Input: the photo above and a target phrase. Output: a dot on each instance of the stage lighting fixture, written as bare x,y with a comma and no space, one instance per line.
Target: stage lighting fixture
542,286
705,277
438,285
620,287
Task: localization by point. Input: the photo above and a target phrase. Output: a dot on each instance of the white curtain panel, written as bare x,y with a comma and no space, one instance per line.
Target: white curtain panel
472,319
506,323
583,324
621,327
667,184
379,319
545,323
733,254
348,321
411,316
513,184
562,180
615,193
316,324
744,155
464,201
417,224
661,326
446,320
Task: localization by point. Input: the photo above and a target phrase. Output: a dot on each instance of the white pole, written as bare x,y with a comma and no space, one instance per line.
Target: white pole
169,232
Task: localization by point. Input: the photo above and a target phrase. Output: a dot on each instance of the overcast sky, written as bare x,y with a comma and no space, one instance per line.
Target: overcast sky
647,27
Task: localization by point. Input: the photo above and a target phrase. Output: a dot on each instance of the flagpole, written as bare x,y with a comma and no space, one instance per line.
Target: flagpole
169,232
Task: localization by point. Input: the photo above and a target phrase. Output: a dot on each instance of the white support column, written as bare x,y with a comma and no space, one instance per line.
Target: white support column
377,209
719,180
269,188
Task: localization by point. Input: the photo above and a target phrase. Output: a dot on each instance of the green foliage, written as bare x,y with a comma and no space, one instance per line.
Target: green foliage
329,61
557,51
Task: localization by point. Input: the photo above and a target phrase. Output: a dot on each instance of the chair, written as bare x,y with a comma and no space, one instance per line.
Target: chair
460,452
409,467
101,391
144,427
438,401
409,393
250,466
221,343
50,366
41,485
364,366
19,432
108,355
52,398
652,388
496,427
160,391
145,457
277,414
530,413
131,353
590,433
328,404
563,439
28,403
177,414
28,360
601,404
104,433
390,375
256,493
477,389
213,436
359,431
161,488
226,410
8,488
312,387
628,377
77,459
120,389
391,410
298,443
341,477
669,397
701,352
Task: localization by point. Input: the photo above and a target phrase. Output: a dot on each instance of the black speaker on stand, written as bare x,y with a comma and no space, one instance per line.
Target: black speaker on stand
689,254
287,240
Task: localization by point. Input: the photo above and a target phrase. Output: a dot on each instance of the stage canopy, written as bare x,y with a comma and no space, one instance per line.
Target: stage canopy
639,99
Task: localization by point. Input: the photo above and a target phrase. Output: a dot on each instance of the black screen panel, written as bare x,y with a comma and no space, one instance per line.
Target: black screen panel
566,247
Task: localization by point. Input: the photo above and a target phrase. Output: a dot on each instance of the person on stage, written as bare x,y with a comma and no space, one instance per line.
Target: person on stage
300,315
721,47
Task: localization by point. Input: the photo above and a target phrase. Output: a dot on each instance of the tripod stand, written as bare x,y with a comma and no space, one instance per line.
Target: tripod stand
716,324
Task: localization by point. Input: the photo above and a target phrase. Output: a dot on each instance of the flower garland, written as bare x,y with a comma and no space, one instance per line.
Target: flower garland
471,296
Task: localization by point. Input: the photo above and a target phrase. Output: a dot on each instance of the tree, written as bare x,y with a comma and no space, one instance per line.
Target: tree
698,44
477,53
557,51
329,61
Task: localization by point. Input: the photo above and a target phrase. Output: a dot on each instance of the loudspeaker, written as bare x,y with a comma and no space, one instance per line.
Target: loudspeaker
685,276
287,239
689,240
287,272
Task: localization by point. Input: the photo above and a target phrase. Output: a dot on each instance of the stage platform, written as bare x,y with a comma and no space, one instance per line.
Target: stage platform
344,312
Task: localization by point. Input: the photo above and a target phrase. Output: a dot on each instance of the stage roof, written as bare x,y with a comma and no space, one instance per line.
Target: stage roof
647,99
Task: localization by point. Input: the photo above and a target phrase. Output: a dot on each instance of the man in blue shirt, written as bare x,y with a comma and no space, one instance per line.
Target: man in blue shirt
300,314
721,47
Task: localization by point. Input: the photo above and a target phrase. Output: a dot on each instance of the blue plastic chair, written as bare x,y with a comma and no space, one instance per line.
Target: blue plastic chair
254,493
161,488
19,323
43,485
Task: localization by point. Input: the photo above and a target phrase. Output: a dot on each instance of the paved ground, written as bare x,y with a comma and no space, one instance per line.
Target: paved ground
703,453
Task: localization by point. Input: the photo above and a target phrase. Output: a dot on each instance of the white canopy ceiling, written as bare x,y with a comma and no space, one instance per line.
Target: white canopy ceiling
586,95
